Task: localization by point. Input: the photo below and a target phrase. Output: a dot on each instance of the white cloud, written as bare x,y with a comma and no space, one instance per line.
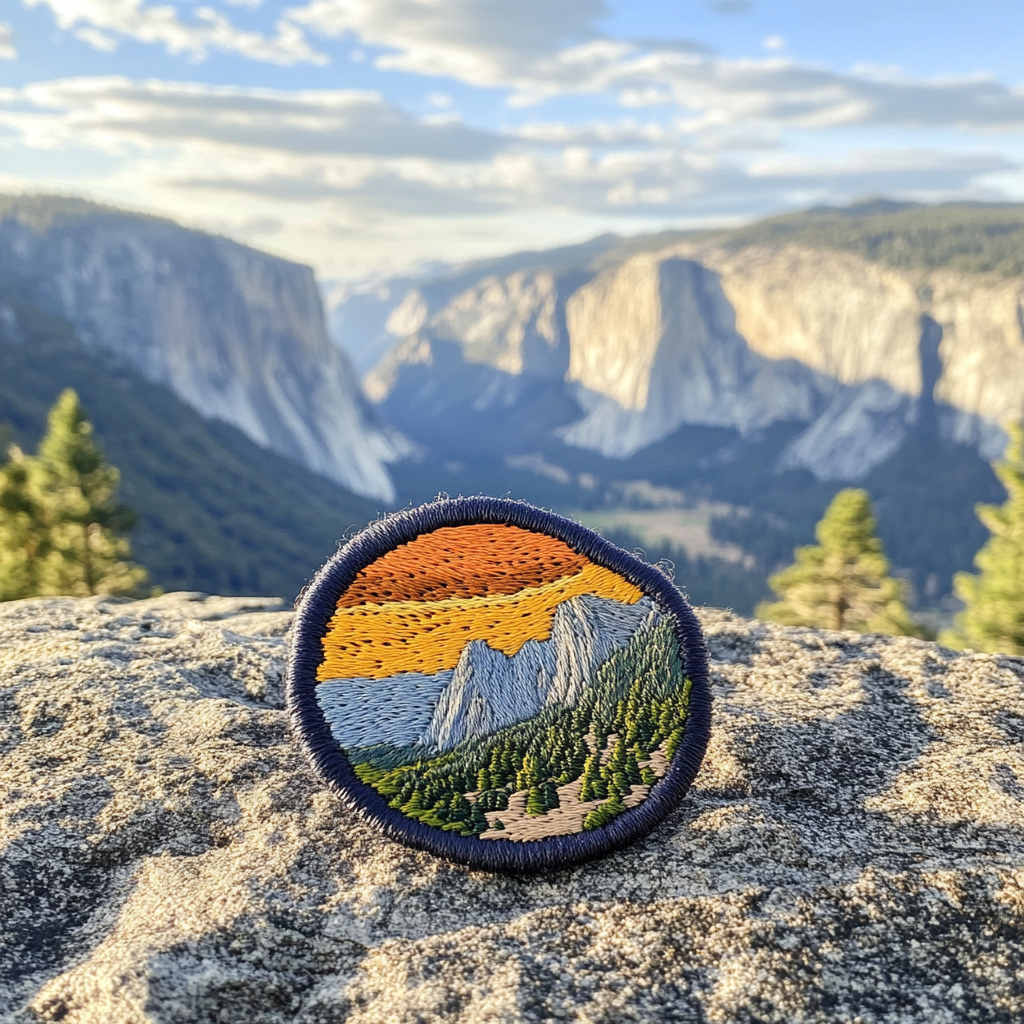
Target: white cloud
114,111
538,50
341,177
7,49
619,133
97,21
96,39
485,44
353,147
774,43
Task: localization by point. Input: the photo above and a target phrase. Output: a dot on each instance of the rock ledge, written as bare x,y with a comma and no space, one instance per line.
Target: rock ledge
852,850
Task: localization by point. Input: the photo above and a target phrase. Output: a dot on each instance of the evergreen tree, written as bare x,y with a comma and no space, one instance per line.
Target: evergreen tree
550,792
672,743
59,520
535,801
24,536
604,813
477,820
843,581
993,619
591,779
632,768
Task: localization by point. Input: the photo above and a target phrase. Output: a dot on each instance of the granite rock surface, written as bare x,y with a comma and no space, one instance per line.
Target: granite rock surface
852,850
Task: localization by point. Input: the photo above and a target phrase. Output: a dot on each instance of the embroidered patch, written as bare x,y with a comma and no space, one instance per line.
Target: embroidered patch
499,685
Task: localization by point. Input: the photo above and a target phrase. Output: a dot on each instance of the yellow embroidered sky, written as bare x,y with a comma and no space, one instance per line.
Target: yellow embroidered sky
377,640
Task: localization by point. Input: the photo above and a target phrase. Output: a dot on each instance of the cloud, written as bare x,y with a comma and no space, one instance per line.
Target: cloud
539,50
96,39
345,178
656,184
112,111
7,50
99,22
355,148
484,44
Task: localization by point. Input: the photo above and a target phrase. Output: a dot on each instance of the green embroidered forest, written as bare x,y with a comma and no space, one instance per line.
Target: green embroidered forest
640,695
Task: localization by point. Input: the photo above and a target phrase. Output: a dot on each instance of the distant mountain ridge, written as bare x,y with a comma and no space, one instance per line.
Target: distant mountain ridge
487,690
866,325
236,333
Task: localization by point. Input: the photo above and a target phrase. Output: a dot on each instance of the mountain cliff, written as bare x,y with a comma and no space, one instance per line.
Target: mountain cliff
216,513
237,334
734,330
487,690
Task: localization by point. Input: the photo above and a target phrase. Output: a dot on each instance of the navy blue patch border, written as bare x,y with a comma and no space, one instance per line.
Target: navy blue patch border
317,605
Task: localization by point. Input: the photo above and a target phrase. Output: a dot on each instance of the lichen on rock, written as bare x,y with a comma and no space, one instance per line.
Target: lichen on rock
852,850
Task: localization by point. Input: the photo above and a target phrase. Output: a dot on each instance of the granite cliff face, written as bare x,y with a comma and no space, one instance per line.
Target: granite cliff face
852,849
236,333
701,333
487,690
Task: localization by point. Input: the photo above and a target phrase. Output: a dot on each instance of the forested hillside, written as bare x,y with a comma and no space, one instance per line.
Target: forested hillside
639,694
216,512
971,238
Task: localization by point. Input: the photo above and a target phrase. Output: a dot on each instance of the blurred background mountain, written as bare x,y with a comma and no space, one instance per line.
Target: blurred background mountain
700,395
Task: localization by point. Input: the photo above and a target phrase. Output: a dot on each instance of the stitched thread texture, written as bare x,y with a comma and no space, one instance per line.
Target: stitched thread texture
512,693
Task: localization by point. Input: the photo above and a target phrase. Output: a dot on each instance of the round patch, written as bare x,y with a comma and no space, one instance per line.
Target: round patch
499,685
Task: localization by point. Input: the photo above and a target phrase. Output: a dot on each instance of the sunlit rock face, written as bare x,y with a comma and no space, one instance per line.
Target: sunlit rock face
860,352
236,333
852,847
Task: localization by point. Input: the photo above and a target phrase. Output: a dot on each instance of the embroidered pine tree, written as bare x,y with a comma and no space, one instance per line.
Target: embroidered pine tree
535,801
550,794
843,581
59,517
592,788
993,619
602,814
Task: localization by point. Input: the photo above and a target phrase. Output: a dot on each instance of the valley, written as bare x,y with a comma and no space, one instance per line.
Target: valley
686,528
701,396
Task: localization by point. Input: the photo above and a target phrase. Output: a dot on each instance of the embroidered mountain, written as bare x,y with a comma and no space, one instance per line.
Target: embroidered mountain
487,690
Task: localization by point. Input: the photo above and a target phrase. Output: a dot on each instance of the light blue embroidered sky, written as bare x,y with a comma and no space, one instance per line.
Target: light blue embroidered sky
368,135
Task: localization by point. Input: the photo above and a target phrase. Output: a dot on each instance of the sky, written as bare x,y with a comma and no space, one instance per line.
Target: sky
372,137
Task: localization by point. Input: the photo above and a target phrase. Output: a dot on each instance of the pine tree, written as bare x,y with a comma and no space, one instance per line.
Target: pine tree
477,821
87,557
551,799
604,813
535,801
591,779
59,520
843,581
460,809
24,535
993,619
632,770
672,743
